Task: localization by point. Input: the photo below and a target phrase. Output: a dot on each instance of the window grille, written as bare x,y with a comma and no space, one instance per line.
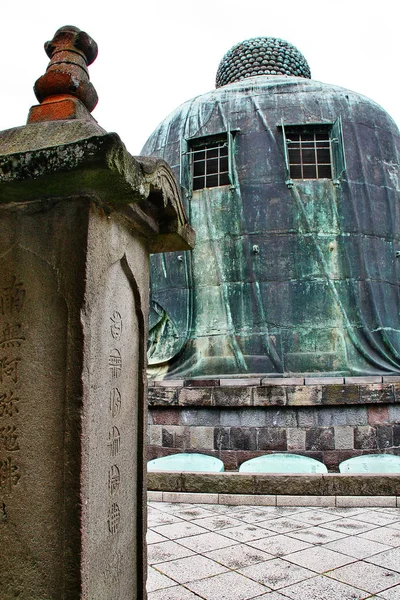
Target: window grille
314,151
209,163
309,154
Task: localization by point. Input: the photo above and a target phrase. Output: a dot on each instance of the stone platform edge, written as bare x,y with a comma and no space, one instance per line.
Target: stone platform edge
258,392
277,485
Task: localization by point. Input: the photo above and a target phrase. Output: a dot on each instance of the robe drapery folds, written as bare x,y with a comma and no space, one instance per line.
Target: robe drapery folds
287,276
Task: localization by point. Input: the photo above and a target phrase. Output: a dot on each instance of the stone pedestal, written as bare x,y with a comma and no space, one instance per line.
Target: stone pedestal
78,218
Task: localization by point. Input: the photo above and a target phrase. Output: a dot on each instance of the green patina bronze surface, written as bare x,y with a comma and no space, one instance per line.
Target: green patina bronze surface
299,278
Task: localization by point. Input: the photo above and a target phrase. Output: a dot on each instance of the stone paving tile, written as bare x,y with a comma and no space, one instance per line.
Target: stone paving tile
178,592
229,586
315,517
178,530
282,525
279,545
372,516
357,547
271,596
206,542
389,559
238,556
349,526
217,522
154,519
319,559
273,512
253,516
316,535
167,550
190,568
391,594
157,581
344,512
384,535
321,537
323,588
153,538
368,577
276,573
189,514
389,510
246,533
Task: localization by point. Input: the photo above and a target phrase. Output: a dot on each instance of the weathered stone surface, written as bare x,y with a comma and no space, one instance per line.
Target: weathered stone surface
162,396
330,484
221,483
365,438
340,394
376,393
344,438
337,484
384,436
272,438
165,416
304,395
195,396
233,396
270,395
243,438
296,485
320,438
296,439
377,415
202,438
164,481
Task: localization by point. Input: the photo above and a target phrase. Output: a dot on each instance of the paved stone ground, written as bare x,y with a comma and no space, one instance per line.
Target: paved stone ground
218,552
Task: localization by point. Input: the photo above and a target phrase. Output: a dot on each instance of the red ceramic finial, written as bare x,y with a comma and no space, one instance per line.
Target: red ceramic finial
67,78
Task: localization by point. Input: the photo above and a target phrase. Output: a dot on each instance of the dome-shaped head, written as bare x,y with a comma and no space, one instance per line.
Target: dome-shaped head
261,56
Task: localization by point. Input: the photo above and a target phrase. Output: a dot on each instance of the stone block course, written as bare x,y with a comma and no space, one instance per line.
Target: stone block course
327,417
233,396
320,438
195,396
365,437
280,418
296,439
270,396
378,414
202,438
243,438
307,417
344,438
384,436
340,394
155,435
334,427
356,415
376,393
272,438
275,381
304,395
394,413
165,416
157,396
222,438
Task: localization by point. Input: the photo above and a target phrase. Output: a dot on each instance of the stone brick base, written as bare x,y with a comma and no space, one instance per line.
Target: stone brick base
236,420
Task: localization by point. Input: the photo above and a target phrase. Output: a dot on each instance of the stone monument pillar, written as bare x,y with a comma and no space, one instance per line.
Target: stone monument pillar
78,219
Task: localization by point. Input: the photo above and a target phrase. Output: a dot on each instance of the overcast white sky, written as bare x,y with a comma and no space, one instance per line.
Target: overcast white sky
154,55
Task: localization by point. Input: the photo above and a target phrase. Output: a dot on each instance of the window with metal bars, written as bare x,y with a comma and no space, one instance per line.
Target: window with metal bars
309,152
314,151
209,162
